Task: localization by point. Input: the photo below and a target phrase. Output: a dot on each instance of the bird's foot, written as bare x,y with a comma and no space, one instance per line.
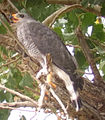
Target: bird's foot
49,80
43,71
49,77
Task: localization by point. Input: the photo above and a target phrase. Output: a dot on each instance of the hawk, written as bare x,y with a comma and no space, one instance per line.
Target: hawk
39,40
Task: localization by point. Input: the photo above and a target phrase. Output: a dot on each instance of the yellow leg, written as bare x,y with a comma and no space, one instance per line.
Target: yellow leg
49,78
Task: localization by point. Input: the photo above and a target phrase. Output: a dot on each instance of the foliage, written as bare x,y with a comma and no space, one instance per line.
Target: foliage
13,78
92,2
4,114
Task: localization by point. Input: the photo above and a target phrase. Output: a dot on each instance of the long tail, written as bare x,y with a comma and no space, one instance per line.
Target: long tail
77,104
74,96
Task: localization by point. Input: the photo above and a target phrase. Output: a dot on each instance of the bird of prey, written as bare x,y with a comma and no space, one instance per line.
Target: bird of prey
39,40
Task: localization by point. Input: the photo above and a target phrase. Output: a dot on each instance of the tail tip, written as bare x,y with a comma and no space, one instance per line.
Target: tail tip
77,104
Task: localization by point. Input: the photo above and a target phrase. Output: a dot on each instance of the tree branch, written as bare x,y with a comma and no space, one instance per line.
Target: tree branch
49,21
18,104
96,8
13,6
74,46
10,62
19,94
65,2
88,55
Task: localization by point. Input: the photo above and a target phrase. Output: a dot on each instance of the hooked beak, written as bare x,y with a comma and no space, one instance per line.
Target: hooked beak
14,18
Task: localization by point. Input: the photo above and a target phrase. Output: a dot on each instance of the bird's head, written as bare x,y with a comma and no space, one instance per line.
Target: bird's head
19,17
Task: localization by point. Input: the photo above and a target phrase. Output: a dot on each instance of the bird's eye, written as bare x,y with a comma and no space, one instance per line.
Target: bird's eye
21,15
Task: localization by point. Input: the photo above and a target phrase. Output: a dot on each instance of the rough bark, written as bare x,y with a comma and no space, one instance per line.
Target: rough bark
66,2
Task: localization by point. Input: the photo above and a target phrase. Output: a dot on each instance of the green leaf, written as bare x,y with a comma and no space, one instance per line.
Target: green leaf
70,38
33,2
102,66
14,77
11,82
8,97
81,60
104,77
1,1
92,2
17,75
18,4
2,96
40,9
2,29
4,50
90,44
103,9
72,21
26,81
87,20
5,96
4,114
1,59
98,32
85,3
58,31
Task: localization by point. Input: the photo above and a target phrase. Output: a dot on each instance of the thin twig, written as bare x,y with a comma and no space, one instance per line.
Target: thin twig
13,6
32,90
24,97
59,101
10,62
14,108
98,43
3,13
75,46
18,104
80,71
6,107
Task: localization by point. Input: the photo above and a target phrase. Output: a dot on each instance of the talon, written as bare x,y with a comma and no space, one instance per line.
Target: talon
46,96
43,71
49,78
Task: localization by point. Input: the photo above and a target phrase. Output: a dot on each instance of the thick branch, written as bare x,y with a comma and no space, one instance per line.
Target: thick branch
88,54
52,18
96,8
65,2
